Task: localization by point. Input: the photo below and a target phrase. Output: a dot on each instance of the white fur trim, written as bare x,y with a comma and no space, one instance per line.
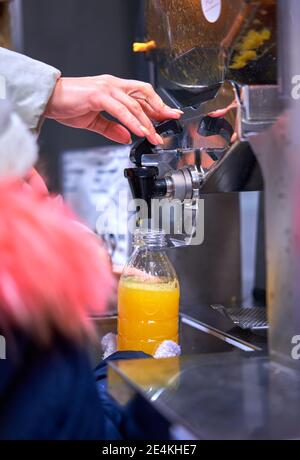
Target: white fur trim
18,149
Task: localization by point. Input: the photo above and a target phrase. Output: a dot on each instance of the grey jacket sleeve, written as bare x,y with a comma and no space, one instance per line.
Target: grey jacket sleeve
28,84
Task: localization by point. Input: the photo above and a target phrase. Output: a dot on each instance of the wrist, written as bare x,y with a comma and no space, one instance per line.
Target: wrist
51,107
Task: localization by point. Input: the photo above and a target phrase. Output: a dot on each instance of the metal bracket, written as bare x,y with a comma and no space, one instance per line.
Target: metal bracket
259,108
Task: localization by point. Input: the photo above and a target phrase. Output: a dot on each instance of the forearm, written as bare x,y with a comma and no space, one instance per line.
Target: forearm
36,91
29,85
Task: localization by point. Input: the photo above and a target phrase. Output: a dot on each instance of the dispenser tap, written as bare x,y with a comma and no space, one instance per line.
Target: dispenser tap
144,181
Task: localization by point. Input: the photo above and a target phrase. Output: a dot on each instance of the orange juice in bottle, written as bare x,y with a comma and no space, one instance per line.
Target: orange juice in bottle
148,298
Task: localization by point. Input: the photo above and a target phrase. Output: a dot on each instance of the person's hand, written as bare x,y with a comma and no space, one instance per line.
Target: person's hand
78,102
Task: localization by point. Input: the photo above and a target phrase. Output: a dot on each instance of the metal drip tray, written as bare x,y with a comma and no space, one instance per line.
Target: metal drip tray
254,319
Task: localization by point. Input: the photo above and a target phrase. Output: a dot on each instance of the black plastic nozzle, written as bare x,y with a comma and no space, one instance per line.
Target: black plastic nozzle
143,180
145,185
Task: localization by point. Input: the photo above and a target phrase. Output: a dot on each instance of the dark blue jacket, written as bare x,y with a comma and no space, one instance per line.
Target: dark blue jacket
51,394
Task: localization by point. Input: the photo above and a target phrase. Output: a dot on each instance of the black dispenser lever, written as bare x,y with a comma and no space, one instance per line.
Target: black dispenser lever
143,180
144,147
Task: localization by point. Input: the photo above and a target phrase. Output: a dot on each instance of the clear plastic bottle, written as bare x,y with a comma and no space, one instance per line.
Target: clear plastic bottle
148,298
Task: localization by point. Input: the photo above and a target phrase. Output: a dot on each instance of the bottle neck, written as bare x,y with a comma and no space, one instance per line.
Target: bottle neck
150,239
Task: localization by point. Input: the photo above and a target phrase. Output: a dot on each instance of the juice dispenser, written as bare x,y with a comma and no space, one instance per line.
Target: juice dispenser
212,53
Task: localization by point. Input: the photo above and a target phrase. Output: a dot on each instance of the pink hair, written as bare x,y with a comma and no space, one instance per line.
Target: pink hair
53,273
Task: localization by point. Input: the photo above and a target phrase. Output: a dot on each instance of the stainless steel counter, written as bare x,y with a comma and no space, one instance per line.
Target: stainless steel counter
214,396
223,386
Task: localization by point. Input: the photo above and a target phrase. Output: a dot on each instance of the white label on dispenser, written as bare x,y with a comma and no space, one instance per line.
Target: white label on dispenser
211,9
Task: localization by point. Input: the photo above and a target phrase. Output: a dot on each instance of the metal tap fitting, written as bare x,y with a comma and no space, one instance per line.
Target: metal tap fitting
183,184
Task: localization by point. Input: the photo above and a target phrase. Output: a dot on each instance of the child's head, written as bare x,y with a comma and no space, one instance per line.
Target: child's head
53,273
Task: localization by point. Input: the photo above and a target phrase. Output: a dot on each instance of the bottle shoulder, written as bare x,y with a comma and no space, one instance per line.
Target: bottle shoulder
150,266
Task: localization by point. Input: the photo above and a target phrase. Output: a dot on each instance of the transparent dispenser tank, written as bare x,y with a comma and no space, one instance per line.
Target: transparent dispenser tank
148,297
202,43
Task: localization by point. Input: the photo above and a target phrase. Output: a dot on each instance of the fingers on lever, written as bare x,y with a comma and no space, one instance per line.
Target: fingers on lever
145,124
155,138
141,90
125,116
111,130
